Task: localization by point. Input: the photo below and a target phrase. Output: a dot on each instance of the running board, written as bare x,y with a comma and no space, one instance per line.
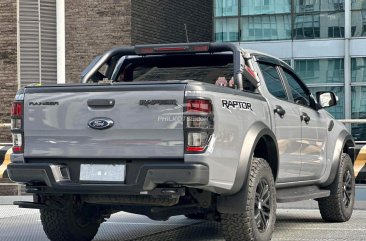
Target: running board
295,194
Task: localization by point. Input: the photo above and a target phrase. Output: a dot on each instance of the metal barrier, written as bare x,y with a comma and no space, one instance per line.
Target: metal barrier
353,121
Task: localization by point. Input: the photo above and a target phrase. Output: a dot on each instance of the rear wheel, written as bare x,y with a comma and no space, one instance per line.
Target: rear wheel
338,207
74,222
257,222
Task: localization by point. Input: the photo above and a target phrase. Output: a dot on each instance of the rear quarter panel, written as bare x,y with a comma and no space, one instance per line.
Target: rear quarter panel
230,128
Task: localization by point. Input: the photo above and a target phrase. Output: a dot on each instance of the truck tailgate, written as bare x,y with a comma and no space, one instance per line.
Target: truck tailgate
147,121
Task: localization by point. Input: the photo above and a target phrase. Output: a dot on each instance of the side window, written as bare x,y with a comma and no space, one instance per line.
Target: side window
273,81
298,92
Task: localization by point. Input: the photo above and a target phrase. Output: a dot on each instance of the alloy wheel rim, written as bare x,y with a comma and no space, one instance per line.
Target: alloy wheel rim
262,207
347,189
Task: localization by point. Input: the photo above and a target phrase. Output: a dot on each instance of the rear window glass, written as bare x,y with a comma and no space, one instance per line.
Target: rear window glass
207,74
216,69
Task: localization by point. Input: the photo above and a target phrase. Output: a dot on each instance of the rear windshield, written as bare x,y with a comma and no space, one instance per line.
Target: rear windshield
207,74
217,69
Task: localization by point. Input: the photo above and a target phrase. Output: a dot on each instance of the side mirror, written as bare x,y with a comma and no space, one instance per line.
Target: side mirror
326,99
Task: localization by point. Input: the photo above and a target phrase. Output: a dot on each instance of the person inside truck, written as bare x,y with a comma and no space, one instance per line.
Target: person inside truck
221,81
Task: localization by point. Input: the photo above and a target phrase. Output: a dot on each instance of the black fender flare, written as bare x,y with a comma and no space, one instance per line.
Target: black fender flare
235,200
343,139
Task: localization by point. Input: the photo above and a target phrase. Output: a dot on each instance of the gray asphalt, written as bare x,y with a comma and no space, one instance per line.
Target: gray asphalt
295,222
292,225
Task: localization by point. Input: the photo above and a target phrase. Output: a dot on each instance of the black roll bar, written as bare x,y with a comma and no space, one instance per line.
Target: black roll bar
152,49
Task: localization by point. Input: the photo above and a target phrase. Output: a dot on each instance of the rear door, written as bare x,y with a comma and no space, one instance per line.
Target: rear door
64,121
287,123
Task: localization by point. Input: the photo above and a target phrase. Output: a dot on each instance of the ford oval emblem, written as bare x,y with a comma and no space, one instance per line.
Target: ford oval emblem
101,123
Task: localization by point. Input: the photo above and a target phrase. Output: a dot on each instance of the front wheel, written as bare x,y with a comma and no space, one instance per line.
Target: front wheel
338,207
76,223
257,222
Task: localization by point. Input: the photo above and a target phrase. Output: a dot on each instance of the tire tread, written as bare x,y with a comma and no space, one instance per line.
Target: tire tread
237,227
331,207
56,225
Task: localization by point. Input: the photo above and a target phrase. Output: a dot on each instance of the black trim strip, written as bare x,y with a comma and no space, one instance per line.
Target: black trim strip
141,86
200,86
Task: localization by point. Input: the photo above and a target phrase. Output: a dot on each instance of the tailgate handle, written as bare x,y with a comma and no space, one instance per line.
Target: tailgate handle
101,103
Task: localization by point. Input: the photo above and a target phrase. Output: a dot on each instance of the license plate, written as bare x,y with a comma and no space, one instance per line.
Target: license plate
102,173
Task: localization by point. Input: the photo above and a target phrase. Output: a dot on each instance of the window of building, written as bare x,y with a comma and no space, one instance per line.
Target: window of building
358,100
226,8
265,20
358,97
37,42
307,26
273,81
274,20
319,19
258,7
336,32
308,69
318,71
324,75
358,18
226,29
266,27
358,69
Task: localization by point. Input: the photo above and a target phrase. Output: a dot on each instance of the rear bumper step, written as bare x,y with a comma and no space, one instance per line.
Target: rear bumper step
40,178
30,205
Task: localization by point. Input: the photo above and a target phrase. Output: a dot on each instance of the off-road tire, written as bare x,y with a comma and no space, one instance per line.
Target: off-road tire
63,225
338,207
243,226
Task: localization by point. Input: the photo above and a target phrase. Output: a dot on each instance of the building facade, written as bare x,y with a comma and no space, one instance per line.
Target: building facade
8,61
52,41
324,40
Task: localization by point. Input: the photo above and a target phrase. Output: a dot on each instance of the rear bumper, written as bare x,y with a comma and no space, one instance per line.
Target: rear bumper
42,178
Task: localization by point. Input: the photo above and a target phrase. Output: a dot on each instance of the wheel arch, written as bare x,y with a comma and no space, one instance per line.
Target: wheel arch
260,141
267,149
349,148
343,144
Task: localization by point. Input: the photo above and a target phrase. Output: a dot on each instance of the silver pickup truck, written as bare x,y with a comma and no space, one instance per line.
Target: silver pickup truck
207,130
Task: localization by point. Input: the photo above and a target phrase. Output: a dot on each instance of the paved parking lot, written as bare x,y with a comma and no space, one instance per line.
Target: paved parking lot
295,222
292,225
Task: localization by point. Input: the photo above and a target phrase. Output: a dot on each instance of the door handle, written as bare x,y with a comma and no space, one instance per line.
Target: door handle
101,103
305,117
279,110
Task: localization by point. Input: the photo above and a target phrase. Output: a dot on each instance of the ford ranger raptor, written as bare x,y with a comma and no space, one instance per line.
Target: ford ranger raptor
206,130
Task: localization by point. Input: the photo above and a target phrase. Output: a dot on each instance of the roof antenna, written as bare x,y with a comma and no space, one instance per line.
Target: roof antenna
185,26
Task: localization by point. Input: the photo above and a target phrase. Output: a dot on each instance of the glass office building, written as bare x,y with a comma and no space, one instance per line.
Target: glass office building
324,40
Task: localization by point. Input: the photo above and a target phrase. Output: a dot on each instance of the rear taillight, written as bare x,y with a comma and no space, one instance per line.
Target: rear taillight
199,106
17,126
198,125
17,109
